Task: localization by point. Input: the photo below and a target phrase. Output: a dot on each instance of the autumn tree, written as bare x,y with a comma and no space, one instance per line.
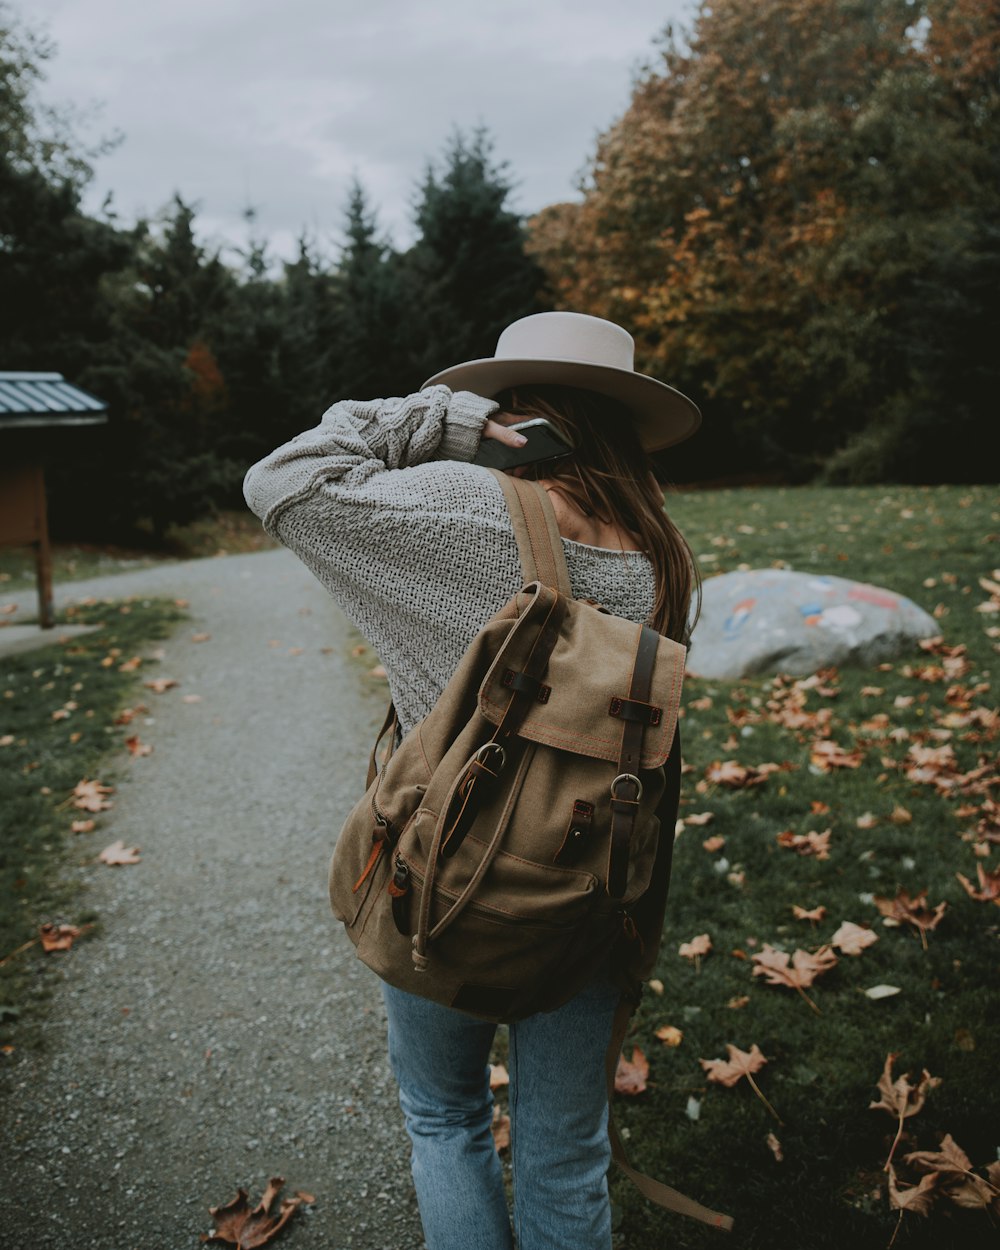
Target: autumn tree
798,218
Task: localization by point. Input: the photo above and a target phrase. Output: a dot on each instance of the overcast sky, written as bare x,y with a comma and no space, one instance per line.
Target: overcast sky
276,105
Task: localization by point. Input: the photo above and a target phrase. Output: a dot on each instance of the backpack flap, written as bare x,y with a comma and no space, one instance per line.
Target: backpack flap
584,694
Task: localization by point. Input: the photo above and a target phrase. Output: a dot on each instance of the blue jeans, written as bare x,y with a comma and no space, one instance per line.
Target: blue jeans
558,1111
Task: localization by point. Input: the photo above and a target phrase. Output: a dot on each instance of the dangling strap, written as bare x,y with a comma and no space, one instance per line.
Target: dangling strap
652,1189
391,722
538,540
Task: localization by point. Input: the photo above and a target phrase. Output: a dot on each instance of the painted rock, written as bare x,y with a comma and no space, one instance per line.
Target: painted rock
779,621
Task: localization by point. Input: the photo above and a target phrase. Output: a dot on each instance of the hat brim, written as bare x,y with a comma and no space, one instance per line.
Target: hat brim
663,416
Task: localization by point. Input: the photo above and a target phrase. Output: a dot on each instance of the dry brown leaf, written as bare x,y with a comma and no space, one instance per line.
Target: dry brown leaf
58,937
631,1076
867,820
202,637
793,972
669,1035
900,1098
775,1148
159,685
826,754
83,826
912,910
237,1225
137,747
714,844
378,672
811,843
119,853
917,1198
697,947
89,796
699,818
989,885
738,1002
736,776
852,939
740,1063
800,913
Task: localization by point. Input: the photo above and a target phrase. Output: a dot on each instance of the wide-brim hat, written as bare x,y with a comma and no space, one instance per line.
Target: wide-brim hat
573,349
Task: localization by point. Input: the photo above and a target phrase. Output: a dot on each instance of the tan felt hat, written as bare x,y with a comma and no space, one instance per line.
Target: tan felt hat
573,349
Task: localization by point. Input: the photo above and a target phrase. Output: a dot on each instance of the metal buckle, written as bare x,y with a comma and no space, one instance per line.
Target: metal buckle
481,758
627,777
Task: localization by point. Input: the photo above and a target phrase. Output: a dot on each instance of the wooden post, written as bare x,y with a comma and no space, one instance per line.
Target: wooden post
23,522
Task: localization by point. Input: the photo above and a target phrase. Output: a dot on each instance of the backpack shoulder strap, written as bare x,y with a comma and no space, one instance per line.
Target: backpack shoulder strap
539,543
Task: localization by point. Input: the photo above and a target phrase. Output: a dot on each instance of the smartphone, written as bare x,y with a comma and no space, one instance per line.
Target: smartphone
544,443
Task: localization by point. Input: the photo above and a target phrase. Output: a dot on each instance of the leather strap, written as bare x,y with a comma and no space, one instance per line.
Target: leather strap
655,1191
539,542
626,789
390,722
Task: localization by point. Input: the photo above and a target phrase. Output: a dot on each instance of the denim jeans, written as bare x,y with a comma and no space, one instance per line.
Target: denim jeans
558,1110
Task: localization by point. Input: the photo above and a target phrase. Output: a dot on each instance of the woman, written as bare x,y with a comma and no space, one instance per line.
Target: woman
416,545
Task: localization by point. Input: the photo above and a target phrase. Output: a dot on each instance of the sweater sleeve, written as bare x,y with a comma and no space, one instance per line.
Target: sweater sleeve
412,542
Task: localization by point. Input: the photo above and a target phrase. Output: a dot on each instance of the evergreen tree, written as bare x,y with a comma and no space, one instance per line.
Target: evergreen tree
467,276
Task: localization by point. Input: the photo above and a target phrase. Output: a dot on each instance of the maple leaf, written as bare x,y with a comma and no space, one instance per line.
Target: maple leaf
826,754
88,796
137,747
714,844
989,885
793,972
631,1077
738,776
811,843
119,853
237,1225
900,1098
953,1167
58,937
851,939
740,1064
917,1198
83,826
800,913
697,947
904,909
669,1035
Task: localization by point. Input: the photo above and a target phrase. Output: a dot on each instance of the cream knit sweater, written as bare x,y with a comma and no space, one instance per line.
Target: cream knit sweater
412,541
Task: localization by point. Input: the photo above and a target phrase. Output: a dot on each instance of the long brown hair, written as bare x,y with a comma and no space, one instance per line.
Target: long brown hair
609,476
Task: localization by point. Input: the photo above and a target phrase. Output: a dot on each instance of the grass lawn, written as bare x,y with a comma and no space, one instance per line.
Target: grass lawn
914,811
61,713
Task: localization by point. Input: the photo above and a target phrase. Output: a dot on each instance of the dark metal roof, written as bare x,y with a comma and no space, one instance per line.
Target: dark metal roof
40,399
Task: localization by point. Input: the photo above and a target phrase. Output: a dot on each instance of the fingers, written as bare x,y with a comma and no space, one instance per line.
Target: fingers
494,429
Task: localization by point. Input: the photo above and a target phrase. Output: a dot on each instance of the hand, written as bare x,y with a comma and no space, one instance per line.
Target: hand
496,428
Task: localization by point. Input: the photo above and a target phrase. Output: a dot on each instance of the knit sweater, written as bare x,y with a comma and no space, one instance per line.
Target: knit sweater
414,542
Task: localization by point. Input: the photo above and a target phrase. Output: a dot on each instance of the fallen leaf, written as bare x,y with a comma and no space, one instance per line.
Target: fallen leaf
989,885
202,637
800,913
89,796
775,1148
736,776
83,826
826,755
138,747
794,972
912,910
741,1000
58,937
159,685
740,1064
714,844
882,991
811,843
190,698
852,939
237,1225
917,1198
697,947
699,818
655,986
900,1098
670,1035
119,853
867,820
378,672
631,1077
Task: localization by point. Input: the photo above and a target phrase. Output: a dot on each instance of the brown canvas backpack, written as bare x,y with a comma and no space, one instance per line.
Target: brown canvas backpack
495,858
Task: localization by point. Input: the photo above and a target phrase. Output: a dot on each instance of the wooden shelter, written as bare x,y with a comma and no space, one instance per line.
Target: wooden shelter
34,409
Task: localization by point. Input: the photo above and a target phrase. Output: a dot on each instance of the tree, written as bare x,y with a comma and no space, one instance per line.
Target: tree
467,276
797,217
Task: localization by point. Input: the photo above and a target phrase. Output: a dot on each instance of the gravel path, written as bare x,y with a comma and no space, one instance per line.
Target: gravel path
220,1030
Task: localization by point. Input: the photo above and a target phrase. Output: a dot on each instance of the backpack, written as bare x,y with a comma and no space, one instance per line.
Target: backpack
496,855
